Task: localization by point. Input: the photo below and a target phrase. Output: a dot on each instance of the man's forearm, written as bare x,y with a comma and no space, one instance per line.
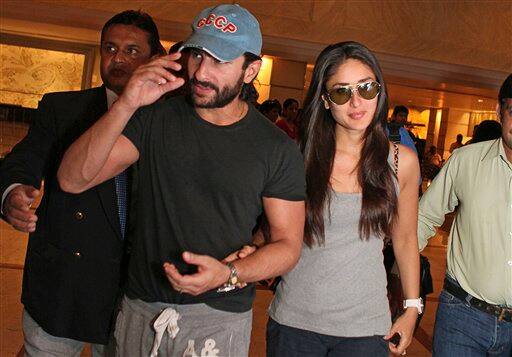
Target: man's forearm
272,259
85,158
438,200
286,224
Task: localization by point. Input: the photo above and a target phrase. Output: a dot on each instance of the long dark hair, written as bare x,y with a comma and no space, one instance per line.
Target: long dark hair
318,145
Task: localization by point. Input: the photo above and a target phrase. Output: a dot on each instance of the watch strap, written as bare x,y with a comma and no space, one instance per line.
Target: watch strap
417,303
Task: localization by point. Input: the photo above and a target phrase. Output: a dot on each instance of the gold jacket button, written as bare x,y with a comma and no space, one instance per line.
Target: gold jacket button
79,215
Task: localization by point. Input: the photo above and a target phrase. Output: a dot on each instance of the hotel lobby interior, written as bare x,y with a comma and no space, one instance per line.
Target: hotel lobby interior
444,60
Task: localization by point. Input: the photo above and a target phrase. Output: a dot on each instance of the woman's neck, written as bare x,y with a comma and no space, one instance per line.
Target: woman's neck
349,141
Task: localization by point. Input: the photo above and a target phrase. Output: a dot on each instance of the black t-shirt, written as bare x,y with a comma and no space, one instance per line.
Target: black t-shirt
200,189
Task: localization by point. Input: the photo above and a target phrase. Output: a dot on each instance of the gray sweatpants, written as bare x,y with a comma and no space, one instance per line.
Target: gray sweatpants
38,343
199,330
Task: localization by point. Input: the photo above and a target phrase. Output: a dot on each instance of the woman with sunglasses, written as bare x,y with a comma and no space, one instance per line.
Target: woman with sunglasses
334,302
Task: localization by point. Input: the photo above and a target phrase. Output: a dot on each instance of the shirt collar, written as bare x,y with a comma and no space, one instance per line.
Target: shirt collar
111,97
496,151
503,154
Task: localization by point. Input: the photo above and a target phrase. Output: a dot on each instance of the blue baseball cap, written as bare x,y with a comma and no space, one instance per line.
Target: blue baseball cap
225,32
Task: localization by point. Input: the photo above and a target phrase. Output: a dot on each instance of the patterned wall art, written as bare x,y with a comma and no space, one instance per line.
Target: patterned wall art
27,73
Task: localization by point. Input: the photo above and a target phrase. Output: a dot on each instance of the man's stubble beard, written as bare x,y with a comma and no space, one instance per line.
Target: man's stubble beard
222,97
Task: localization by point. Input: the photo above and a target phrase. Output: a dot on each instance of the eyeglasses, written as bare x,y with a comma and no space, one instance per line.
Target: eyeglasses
341,95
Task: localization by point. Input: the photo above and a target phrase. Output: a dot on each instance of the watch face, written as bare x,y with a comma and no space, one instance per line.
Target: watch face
233,276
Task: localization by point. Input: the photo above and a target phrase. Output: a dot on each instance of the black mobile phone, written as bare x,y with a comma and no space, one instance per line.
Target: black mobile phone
395,339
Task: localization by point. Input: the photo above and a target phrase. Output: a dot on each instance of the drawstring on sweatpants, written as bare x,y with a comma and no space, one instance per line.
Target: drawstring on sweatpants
167,320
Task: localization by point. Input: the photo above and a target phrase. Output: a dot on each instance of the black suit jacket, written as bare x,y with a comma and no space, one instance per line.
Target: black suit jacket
73,262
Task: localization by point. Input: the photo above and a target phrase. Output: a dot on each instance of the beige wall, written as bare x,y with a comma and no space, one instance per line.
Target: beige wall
28,73
287,80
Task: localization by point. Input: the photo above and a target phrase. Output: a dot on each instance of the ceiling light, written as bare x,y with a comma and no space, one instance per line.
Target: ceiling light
480,100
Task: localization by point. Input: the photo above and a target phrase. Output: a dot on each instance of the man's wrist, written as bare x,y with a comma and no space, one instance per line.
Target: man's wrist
232,281
6,193
226,274
233,274
122,108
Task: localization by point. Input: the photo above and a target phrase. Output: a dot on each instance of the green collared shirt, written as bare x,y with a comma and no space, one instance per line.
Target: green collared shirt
477,180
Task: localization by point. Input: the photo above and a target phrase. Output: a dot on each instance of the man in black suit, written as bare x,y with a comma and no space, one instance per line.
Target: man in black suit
75,251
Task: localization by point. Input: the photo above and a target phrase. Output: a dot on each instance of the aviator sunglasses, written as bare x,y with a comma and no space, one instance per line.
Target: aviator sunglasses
341,95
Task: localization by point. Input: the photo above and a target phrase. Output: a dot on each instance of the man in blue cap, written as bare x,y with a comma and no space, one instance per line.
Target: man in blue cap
209,165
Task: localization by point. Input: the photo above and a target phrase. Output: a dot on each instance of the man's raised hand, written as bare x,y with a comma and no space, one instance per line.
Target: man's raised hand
150,81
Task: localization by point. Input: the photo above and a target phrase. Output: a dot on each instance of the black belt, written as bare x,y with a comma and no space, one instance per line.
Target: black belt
502,313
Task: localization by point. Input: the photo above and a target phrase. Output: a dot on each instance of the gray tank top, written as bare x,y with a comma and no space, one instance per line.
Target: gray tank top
338,289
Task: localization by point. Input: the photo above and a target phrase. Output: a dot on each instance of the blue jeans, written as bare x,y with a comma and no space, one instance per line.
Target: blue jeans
462,330
285,341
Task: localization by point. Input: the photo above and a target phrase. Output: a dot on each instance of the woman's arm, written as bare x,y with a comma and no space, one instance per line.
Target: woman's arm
405,244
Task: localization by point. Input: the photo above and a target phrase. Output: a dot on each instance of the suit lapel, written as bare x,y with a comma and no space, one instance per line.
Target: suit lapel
106,190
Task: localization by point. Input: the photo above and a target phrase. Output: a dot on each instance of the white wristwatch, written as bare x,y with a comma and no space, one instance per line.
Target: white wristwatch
417,303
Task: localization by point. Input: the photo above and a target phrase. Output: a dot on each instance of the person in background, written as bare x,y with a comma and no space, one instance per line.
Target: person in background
396,128
432,163
288,121
457,144
361,189
74,262
474,315
433,157
271,108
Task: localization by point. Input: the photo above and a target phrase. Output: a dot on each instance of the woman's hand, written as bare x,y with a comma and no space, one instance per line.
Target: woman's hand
404,326
240,254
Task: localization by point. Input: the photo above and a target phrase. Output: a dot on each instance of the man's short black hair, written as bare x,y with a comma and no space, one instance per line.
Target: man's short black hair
248,88
141,20
505,91
400,109
174,48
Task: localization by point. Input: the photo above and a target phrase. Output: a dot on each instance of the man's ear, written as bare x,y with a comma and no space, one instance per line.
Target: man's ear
252,71
498,111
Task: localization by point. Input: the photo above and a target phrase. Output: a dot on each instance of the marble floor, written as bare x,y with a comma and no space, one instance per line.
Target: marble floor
12,254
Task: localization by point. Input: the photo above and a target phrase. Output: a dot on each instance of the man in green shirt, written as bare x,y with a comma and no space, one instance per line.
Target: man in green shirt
474,317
